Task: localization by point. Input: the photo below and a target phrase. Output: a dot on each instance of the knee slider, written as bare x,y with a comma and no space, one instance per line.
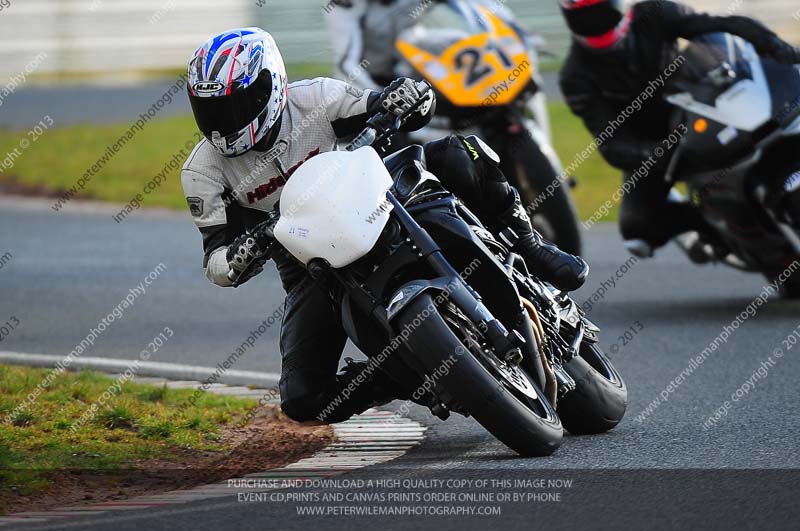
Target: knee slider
299,401
300,408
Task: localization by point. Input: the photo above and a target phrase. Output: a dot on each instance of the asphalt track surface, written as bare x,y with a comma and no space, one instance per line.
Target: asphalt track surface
70,269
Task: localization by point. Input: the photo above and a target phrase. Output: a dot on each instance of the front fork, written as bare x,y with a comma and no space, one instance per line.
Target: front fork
506,344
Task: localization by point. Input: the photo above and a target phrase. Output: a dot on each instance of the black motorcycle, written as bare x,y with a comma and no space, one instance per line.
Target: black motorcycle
439,303
739,155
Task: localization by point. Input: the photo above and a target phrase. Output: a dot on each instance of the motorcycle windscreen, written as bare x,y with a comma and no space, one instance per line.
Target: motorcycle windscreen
712,63
722,78
334,207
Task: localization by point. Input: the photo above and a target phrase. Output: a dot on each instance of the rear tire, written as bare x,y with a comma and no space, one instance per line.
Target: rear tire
600,399
474,389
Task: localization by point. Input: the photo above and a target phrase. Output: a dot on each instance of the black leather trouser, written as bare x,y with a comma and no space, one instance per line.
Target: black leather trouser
647,214
311,343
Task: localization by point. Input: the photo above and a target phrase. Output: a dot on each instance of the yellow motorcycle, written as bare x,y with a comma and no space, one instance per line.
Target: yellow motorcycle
483,67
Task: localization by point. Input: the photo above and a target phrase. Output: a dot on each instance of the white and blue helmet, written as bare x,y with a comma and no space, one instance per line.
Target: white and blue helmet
237,89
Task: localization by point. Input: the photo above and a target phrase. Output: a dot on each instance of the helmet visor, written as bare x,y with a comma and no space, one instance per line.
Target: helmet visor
593,20
232,112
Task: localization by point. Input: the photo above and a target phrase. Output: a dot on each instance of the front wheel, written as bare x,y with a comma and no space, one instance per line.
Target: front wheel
789,287
600,399
475,382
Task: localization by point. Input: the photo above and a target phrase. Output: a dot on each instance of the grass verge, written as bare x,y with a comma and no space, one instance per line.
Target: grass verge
62,155
143,439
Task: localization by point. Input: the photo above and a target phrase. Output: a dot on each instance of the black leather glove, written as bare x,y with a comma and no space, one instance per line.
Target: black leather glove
401,94
248,253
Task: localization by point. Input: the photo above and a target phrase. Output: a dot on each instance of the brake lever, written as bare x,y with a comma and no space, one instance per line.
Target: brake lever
370,134
364,138
374,131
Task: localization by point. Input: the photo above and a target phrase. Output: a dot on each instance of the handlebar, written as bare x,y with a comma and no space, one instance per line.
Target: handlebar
364,138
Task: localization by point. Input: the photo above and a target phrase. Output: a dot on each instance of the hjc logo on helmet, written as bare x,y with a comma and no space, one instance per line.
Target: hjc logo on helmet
218,140
207,87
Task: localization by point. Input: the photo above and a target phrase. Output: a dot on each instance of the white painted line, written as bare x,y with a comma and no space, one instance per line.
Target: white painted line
173,371
183,384
22,519
237,391
152,380
253,395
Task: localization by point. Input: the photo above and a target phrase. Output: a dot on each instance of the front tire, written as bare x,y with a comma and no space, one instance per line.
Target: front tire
530,427
600,399
789,288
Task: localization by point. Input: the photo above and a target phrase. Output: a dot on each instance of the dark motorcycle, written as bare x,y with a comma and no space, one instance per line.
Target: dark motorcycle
740,155
439,303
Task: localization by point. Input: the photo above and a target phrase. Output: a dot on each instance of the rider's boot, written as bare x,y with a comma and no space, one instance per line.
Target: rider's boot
368,384
563,270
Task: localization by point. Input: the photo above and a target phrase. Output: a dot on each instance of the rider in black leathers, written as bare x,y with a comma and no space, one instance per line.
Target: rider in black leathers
616,52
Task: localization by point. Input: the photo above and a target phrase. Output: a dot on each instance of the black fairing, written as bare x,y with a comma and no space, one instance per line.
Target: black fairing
725,197
461,246
703,151
721,180
404,166
404,158
393,262
444,223
784,86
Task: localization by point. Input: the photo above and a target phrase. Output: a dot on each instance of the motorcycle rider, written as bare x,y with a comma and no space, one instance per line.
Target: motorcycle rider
617,50
363,33
362,36
258,130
